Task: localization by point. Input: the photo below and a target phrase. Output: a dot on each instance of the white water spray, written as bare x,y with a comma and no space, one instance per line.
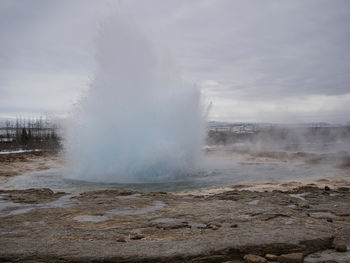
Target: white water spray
139,121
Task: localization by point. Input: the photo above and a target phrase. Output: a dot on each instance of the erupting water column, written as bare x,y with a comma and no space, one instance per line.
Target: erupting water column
139,122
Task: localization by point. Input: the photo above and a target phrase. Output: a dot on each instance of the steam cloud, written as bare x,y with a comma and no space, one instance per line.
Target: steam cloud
139,121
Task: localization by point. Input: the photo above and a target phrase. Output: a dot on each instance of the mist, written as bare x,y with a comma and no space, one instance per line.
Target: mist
139,121
312,144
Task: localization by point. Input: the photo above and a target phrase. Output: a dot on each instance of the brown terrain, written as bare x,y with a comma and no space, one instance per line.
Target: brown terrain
285,222
25,162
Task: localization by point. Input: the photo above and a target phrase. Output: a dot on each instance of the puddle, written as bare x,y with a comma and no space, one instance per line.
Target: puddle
322,215
289,222
197,225
299,196
227,201
62,202
128,210
244,216
9,208
225,224
90,218
18,211
167,220
128,196
254,202
8,204
6,208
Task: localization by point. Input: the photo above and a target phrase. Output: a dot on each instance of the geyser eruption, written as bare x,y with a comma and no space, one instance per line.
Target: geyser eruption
139,121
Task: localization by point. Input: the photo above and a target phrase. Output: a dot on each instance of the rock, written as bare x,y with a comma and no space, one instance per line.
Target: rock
271,257
234,225
175,225
213,226
121,239
137,237
340,247
326,188
291,258
328,256
254,259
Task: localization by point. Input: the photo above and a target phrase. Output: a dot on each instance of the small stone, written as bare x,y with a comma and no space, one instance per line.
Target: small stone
329,220
214,227
326,188
340,247
121,239
137,237
271,257
234,225
291,258
250,258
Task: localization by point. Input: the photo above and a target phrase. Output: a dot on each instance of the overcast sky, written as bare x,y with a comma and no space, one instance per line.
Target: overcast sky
256,61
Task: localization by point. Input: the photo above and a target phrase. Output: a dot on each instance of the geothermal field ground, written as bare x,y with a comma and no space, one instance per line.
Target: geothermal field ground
244,204
174,131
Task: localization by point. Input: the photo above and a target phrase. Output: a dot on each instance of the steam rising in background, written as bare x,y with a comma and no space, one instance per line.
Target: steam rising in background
139,121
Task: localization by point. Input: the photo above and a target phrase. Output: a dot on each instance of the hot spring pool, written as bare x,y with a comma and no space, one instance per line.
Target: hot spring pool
223,173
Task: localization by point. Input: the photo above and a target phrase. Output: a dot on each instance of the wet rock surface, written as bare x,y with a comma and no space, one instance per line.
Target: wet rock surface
128,226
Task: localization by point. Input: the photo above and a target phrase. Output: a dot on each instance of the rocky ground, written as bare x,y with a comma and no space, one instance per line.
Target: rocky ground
13,164
306,224
272,222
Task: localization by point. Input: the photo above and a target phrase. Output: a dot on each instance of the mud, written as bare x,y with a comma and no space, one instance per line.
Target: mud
165,227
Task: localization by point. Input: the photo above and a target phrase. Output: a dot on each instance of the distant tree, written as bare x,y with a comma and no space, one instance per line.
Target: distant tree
29,135
24,136
7,125
36,132
17,130
53,135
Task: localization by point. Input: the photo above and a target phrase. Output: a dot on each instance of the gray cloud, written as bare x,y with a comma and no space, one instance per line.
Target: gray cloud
271,58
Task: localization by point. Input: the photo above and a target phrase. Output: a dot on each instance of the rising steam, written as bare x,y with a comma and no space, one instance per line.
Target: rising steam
139,121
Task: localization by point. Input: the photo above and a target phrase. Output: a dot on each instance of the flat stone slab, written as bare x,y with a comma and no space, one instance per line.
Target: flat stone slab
328,255
129,226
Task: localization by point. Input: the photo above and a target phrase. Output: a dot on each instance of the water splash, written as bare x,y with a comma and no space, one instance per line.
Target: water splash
139,121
